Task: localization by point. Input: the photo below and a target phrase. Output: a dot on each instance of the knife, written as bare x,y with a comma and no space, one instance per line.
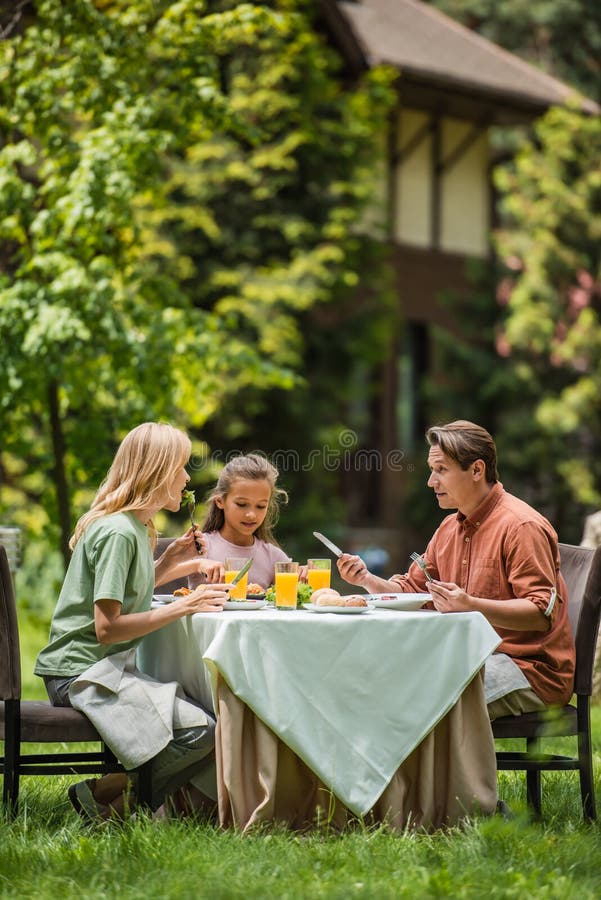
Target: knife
335,550
242,571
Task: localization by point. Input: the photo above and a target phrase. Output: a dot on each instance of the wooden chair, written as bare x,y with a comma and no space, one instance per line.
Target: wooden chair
581,568
170,586
28,721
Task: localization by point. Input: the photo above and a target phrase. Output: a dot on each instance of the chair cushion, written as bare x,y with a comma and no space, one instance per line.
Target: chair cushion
41,722
554,721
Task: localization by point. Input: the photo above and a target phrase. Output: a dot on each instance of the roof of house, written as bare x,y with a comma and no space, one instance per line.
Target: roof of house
438,56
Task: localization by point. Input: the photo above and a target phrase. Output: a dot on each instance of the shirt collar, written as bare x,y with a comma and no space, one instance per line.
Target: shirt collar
483,511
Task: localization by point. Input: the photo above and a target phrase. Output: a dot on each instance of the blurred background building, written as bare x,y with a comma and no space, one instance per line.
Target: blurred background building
454,89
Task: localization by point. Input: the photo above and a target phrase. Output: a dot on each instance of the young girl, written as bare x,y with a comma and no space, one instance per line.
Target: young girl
103,610
243,509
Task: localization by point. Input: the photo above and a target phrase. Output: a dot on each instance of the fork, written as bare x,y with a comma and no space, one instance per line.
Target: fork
422,564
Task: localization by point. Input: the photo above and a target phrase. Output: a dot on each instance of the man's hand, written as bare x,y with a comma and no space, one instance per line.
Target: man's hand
517,613
352,569
448,597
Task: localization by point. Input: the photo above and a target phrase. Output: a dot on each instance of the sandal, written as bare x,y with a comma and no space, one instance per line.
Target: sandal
84,802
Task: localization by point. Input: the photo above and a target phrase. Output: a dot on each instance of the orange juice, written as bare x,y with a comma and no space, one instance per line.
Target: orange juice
318,573
285,589
318,578
238,592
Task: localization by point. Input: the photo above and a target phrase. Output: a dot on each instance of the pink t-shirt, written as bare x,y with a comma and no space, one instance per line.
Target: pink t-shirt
264,556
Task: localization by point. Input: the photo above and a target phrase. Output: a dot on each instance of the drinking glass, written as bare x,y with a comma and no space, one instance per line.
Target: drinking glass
233,564
318,573
286,580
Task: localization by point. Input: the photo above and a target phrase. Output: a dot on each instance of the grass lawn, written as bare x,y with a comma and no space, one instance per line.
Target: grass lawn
46,853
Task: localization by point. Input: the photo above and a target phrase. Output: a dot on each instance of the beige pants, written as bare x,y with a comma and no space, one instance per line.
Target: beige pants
515,703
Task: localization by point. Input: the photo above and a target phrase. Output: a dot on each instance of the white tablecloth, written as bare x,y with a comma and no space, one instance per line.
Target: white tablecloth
351,695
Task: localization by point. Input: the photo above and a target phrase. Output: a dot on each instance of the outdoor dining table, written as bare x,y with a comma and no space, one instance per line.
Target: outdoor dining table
326,717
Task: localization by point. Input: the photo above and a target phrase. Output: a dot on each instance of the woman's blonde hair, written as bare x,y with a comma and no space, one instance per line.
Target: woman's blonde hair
253,467
146,460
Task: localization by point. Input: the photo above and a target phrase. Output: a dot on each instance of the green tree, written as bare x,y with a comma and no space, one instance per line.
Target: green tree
551,248
179,180
561,36
543,358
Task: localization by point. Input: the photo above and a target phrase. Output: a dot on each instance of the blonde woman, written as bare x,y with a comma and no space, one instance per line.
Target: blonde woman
103,611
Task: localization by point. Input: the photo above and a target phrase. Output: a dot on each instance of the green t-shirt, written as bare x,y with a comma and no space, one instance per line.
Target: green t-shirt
111,561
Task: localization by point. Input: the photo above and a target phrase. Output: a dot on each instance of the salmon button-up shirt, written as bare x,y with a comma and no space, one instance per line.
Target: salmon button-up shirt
502,550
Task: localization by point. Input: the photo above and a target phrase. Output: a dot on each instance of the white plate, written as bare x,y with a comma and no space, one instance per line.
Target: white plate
349,610
404,602
163,598
244,604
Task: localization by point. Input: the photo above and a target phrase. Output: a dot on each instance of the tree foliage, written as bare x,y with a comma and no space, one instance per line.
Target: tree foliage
551,247
547,365
178,181
561,36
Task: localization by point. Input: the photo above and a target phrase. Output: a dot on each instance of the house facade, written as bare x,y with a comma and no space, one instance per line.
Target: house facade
454,88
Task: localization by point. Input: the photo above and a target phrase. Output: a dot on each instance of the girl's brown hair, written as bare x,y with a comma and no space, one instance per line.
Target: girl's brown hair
253,467
146,460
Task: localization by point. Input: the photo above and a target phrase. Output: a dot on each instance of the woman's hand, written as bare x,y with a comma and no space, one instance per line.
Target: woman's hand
184,548
113,628
205,598
302,574
180,557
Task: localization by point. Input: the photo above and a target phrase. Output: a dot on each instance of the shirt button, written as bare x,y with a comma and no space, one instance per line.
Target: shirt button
467,540
464,562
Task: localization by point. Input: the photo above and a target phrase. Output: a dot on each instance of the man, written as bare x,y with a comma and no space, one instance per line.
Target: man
497,556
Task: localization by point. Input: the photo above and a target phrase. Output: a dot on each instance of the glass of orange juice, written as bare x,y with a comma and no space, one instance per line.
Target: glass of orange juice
318,573
233,564
286,580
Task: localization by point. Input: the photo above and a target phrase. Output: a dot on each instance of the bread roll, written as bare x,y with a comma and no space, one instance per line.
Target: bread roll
333,599
354,600
323,592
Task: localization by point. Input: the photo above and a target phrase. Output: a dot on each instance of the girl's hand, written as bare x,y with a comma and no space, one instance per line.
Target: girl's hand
206,598
212,569
352,568
302,574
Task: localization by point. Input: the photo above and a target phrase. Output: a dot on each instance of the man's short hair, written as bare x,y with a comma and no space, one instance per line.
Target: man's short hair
466,442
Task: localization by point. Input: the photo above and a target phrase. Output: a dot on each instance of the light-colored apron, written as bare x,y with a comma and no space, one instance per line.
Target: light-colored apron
134,714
